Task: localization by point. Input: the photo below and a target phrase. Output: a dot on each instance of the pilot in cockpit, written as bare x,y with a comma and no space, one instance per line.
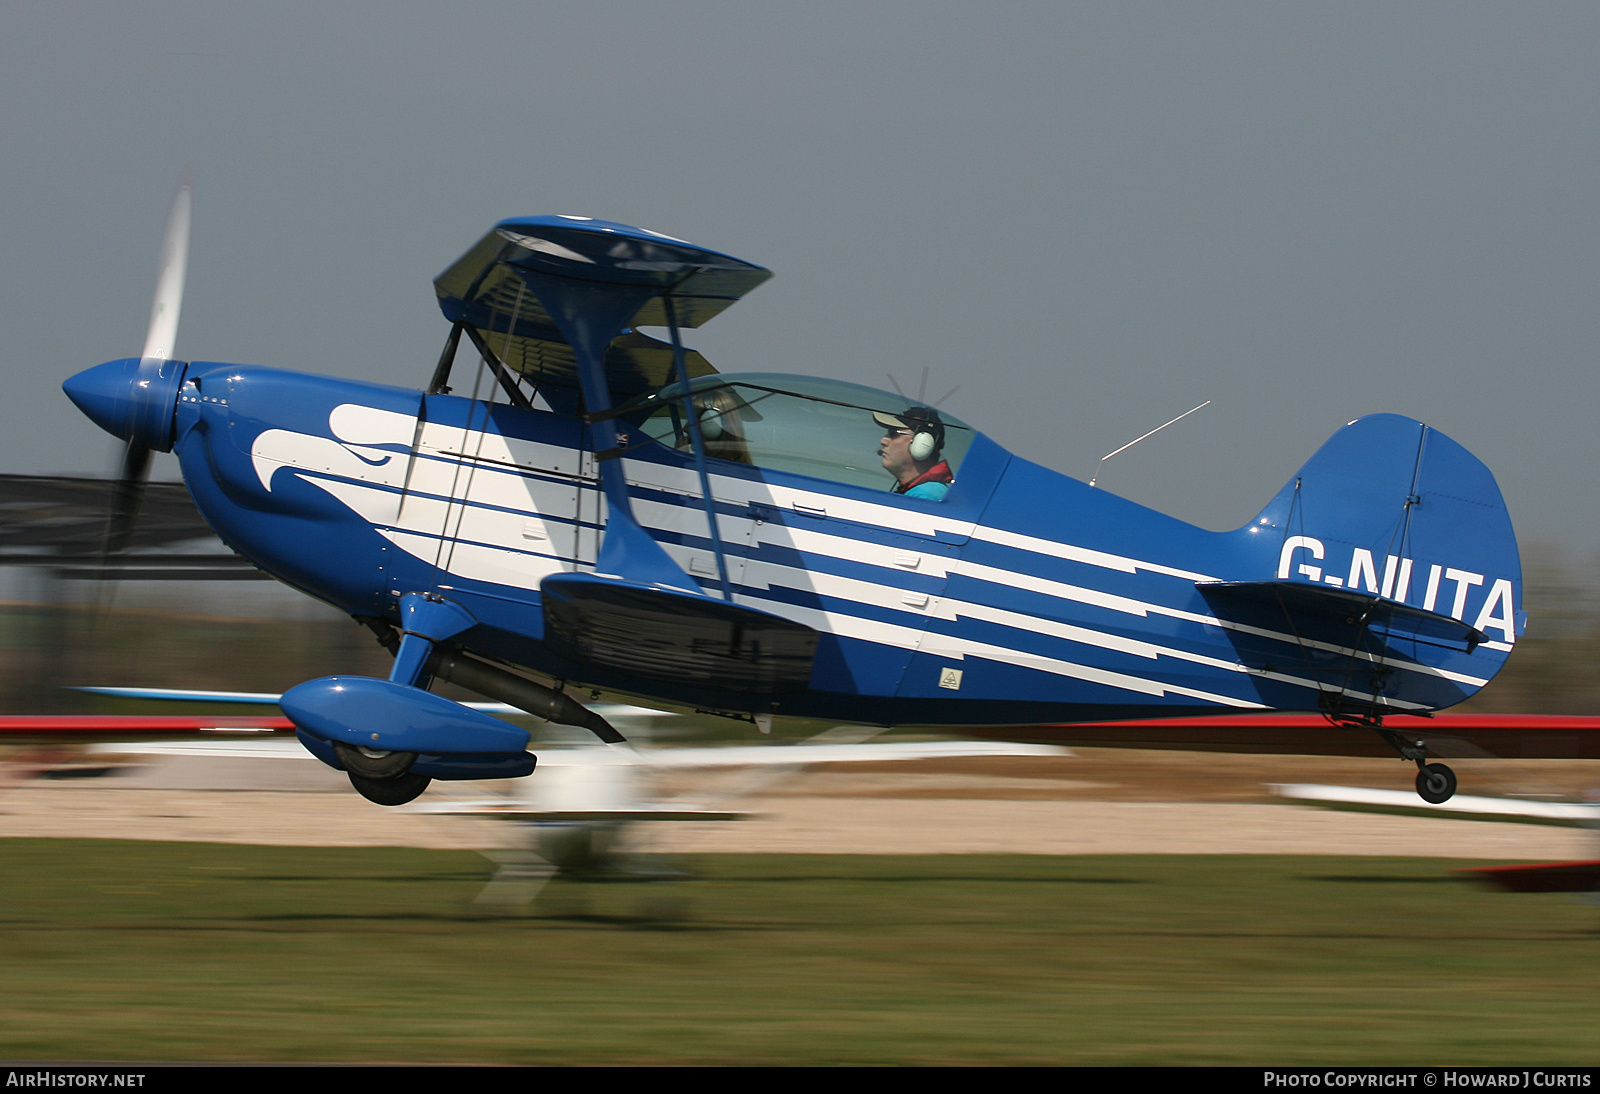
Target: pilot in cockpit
720,413
912,451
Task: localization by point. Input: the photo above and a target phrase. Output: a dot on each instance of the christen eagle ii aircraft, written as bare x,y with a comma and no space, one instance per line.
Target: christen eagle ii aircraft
603,509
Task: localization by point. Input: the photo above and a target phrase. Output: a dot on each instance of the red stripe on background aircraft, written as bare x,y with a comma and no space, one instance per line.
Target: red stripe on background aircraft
102,726
1540,877
1508,736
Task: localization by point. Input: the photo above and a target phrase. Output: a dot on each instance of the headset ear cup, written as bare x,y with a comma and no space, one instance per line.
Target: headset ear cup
922,445
711,425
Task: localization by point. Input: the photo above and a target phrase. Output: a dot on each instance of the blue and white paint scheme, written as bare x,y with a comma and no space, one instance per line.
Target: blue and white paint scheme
603,510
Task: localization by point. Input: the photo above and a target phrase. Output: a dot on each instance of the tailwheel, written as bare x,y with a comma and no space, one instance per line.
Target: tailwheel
1436,783
393,791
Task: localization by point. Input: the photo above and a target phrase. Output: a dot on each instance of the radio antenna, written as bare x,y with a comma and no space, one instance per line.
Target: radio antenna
1136,440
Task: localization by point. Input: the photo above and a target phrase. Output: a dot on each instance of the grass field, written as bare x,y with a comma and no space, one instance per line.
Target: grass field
122,950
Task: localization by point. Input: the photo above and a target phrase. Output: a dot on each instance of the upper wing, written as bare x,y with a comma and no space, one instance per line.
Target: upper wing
486,289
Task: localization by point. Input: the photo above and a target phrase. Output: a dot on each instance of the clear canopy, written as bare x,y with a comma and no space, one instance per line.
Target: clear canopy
826,429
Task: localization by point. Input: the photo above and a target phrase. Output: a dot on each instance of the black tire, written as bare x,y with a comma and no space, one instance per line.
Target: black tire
1436,784
396,791
371,764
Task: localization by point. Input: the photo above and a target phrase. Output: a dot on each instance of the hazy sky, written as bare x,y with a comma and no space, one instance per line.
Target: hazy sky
1090,216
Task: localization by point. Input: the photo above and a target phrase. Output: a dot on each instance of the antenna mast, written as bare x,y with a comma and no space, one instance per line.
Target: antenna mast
1136,440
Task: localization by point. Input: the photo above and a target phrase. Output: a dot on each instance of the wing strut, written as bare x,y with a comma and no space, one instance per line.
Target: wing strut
639,615
440,384
699,447
508,382
590,314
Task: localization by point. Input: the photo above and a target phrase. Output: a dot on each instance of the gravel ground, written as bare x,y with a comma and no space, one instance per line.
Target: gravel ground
1098,801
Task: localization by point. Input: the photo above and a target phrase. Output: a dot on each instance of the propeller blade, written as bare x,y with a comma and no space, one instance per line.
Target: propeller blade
163,330
126,496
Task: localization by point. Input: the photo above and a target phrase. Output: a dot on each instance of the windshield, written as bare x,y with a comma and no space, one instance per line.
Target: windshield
827,429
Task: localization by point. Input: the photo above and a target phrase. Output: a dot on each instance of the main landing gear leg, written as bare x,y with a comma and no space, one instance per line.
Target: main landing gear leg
386,777
1436,783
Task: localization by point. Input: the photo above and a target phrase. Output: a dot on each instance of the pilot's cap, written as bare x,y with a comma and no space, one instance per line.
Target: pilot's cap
918,419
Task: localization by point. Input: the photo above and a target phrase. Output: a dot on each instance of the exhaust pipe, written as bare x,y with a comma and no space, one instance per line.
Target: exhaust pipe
522,693
496,683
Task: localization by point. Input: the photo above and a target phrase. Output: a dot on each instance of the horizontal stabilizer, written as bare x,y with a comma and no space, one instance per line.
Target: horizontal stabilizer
671,635
1345,607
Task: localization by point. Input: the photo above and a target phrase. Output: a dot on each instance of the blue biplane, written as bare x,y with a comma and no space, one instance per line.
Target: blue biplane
595,510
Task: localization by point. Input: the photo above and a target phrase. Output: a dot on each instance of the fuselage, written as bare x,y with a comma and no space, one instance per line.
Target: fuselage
1023,597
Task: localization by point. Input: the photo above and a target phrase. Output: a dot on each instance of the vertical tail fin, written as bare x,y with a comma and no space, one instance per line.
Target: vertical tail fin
1391,559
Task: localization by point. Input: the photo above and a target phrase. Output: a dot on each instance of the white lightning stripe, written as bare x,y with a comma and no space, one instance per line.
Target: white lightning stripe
850,626
502,486
915,522
481,563
766,575
933,564
1080,554
956,609
525,570
1095,597
366,427
1060,590
928,563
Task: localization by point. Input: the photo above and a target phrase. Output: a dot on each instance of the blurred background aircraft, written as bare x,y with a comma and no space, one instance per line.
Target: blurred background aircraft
587,811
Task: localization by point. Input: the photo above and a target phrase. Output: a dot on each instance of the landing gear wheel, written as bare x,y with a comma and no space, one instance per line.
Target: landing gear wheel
371,764
1436,784
396,791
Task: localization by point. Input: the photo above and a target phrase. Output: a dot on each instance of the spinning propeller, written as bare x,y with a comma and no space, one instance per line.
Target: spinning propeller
159,339
135,398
